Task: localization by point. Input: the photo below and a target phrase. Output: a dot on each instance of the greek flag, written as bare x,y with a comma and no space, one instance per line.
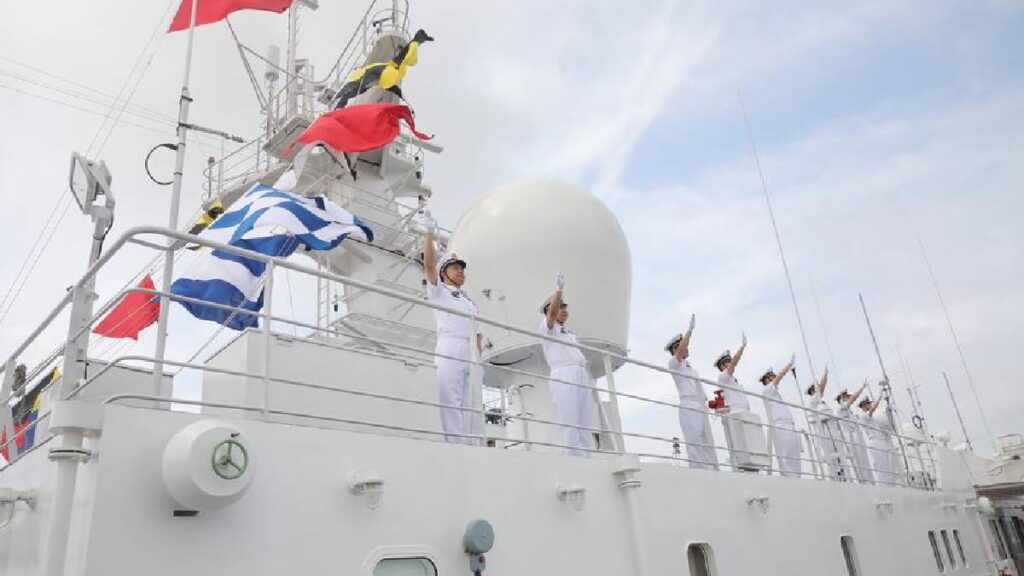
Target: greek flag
268,221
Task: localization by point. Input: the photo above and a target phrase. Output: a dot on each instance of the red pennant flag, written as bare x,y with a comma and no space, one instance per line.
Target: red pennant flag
136,311
359,127
3,441
208,11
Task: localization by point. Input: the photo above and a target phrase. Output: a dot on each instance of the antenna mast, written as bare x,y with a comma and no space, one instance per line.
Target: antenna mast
778,242
959,350
957,408
890,410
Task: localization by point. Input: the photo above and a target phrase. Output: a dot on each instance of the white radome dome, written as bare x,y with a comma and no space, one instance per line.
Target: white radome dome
517,238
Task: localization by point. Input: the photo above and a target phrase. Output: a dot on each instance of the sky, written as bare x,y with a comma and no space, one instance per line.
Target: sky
881,127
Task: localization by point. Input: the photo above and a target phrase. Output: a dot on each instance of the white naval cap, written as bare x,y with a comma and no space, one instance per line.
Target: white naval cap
451,259
673,342
722,358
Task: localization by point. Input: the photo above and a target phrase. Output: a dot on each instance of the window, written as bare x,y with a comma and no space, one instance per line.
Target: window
405,567
949,550
701,560
850,555
959,547
997,537
935,551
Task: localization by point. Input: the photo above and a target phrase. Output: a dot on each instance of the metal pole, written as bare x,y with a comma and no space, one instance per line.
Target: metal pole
613,404
292,85
915,400
778,242
268,306
957,408
890,413
959,350
476,387
172,219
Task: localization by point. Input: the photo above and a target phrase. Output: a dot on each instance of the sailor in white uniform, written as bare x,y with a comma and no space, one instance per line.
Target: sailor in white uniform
783,431
726,365
856,444
827,435
879,442
454,336
693,405
571,388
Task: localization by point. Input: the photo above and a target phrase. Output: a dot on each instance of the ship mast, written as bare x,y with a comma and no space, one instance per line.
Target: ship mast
172,217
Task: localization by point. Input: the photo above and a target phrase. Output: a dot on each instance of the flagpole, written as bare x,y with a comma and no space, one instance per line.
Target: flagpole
172,220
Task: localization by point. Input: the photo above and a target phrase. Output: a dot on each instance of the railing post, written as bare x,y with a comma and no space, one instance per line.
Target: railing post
476,382
613,404
6,419
523,411
268,307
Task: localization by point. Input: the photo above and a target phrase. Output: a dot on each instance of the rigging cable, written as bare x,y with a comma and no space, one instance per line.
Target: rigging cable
64,199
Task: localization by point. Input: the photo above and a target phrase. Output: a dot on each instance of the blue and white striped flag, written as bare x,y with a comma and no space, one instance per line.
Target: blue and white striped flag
268,221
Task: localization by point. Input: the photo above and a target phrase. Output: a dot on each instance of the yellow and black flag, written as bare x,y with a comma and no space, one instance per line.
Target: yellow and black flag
211,213
387,75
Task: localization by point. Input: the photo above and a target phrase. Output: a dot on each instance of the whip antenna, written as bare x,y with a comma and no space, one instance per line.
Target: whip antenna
778,242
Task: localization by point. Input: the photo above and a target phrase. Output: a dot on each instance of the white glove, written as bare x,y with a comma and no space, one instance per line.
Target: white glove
560,281
792,360
693,322
744,339
428,223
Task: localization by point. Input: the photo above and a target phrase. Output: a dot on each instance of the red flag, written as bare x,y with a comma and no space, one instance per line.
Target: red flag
208,11
136,311
359,127
3,441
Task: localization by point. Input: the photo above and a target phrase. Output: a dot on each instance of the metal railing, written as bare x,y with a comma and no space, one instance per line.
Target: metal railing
918,465
382,18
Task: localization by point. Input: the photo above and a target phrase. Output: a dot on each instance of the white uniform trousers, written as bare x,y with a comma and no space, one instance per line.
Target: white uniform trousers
453,388
575,406
881,457
700,449
787,448
857,446
830,448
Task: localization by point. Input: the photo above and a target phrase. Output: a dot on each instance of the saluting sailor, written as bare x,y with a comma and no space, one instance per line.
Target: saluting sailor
454,335
827,435
783,430
735,399
879,441
693,416
856,445
571,388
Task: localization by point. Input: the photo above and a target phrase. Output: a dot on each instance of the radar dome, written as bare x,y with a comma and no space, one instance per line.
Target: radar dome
517,238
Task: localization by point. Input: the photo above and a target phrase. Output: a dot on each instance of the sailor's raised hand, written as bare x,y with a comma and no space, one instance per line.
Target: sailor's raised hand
560,280
792,360
428,223
693,322
744,344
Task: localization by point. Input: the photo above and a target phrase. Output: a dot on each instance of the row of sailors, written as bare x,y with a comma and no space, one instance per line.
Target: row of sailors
570,384
843,440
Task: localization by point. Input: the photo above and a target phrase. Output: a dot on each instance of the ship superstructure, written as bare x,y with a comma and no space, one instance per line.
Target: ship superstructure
316,447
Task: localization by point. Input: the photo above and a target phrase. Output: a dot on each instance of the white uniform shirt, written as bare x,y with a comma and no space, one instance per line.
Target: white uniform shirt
451,325
733,399
877,429
823,410
776,412
691,393
558,355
